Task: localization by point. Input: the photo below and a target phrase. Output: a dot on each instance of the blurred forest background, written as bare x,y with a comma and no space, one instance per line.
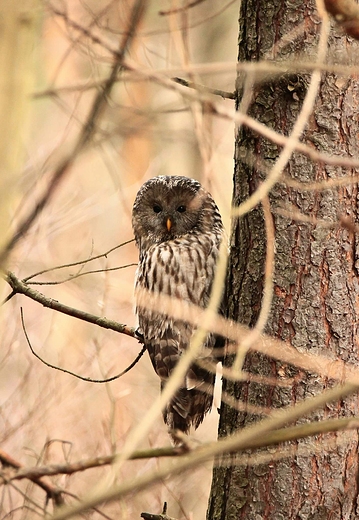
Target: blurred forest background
47,416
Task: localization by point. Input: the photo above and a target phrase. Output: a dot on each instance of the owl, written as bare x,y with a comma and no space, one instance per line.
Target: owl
178,231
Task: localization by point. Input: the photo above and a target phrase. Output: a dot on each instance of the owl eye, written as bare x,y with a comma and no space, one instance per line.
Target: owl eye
157,208
181,209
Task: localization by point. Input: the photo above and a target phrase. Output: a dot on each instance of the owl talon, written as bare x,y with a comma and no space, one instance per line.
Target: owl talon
139,335
181,440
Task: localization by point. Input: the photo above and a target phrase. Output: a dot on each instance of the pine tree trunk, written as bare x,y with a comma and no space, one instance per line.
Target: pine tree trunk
316,290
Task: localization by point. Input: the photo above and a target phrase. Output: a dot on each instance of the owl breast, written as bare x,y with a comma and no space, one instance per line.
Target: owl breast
178,269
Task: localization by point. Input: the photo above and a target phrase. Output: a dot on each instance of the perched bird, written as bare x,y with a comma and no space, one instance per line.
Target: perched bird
178,230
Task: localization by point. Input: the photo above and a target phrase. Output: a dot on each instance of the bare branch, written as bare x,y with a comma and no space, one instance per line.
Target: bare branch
88,379
53,492
20,287
256,126
79,262
326,367
202,88
87,132
82,465
273,438
292,213
233,443
78,275
263,71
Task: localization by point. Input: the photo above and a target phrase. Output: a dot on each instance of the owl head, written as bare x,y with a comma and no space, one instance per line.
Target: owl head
169,207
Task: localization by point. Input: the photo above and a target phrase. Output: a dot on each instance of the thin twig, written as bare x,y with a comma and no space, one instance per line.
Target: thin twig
85,31
202,88
150,516
79,262
180,9
88,379
293,213
78,275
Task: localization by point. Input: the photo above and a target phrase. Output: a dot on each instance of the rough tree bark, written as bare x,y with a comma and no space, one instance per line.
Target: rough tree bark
316,289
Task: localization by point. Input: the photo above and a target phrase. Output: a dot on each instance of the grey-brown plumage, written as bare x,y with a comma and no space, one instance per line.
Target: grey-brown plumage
178,231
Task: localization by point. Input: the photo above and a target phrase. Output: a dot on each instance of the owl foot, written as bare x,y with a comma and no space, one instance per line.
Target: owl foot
139,335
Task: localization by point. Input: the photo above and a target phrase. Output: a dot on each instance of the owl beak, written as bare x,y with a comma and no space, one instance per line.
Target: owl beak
169,224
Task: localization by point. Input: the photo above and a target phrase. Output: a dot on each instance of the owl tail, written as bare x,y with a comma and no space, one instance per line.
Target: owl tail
188,407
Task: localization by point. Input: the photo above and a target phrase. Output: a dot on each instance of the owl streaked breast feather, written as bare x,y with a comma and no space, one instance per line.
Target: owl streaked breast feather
178,230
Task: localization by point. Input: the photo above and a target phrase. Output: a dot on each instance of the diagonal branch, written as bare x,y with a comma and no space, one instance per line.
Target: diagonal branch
52,491
87,132
20,287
